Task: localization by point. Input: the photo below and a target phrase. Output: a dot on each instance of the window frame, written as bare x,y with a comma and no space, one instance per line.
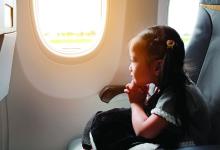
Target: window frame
64,58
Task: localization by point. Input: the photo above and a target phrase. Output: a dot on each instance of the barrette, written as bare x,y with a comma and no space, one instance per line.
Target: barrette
170,44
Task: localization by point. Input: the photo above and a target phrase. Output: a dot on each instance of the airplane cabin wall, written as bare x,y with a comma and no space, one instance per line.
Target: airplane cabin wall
3,125
50,102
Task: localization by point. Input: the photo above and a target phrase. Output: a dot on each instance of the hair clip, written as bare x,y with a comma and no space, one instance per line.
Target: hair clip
170,43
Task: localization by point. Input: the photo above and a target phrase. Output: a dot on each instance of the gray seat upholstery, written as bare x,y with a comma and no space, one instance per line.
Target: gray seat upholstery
203,53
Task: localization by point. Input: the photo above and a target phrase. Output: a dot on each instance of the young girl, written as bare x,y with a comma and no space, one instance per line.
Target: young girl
173,114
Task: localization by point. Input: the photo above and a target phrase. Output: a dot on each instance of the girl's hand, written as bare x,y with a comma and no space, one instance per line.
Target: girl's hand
135,93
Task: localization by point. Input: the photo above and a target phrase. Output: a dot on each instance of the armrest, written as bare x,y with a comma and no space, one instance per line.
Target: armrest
110,91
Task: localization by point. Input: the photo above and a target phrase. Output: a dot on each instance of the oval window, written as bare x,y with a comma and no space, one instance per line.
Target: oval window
70,28
182,16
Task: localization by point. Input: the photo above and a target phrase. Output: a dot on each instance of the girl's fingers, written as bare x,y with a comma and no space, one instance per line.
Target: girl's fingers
126,91
129,86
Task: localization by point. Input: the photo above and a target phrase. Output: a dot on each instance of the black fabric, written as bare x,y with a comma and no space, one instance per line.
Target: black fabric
86,142
112,130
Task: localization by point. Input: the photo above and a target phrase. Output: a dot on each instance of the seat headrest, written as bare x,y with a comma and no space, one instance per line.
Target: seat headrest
210,2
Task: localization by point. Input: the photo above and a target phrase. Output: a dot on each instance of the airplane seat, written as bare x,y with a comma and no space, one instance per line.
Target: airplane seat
203,59
203,54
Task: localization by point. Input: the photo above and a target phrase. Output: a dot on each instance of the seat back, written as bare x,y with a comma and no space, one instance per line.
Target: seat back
203,52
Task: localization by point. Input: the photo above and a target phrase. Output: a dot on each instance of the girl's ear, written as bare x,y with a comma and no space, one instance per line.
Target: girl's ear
158,67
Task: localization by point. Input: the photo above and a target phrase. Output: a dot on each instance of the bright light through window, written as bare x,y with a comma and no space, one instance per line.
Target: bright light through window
183,16
70,27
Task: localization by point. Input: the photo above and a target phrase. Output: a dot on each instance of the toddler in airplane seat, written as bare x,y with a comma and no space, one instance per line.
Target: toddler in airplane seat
174,115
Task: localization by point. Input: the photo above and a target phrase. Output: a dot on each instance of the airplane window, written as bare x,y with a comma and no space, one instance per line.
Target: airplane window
182,16
70,28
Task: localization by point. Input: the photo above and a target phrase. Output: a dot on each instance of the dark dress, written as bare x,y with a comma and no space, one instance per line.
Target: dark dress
112,130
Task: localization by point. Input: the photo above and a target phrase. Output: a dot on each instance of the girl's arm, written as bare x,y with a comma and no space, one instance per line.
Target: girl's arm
148,127
145,126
